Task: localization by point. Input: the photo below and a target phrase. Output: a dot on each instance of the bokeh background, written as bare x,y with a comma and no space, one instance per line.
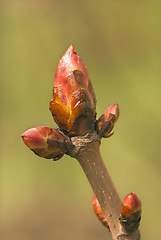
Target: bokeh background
120,42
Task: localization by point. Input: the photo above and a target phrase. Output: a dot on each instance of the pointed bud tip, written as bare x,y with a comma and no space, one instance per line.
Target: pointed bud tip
71,50
33,139
95,201
114,109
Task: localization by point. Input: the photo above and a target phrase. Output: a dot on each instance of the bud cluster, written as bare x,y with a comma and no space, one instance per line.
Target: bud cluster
73,108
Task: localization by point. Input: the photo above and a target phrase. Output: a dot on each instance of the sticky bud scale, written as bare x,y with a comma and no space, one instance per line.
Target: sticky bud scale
107,121
98,211
131,212
73,103
45,142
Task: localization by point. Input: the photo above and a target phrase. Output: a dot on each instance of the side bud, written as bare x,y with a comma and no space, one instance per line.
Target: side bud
45,142
131,212
98,211
107,121
73,104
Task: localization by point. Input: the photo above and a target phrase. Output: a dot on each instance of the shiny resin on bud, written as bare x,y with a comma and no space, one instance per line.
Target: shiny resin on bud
107,120
98,211
73,104
131,212
45,142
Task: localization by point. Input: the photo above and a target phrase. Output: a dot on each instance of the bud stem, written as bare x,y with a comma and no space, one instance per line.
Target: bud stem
86,151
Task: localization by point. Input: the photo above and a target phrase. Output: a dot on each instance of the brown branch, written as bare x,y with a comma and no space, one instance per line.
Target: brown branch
86,149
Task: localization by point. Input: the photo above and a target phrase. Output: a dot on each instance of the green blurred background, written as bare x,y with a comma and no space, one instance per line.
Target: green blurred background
120,42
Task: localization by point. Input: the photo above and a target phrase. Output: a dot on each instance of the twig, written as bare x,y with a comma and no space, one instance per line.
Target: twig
87,151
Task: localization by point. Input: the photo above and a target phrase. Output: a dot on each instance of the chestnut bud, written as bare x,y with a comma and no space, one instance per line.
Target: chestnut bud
73,103
131,212
45,142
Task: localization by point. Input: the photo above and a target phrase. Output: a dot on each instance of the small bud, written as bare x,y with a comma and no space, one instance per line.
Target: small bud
131,212
45,142
107,121
73,104
98,211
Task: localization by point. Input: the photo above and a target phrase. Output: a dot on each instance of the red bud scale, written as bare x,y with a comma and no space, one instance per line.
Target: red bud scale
98,211
73,104
107,121
45,142
131,212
